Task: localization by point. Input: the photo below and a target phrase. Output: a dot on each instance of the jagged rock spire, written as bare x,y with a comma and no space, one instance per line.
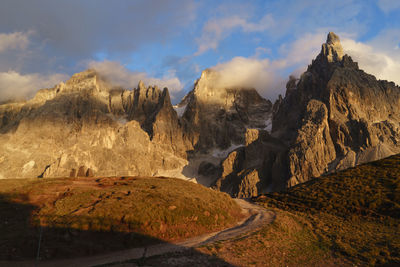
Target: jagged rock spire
332,50
141,85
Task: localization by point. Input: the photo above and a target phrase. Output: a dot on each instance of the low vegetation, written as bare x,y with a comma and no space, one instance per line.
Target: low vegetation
349,218
82,216
346,218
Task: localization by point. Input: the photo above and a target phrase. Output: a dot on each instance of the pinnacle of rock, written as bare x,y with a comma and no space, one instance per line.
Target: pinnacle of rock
332,49
141,85
332,38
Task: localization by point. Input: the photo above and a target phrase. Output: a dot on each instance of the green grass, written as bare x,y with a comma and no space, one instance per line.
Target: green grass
129,210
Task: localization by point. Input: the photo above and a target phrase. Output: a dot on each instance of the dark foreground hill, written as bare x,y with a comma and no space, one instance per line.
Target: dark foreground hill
88,216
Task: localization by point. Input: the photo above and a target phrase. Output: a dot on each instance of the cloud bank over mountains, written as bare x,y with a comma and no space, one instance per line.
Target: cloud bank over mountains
168,43
119,75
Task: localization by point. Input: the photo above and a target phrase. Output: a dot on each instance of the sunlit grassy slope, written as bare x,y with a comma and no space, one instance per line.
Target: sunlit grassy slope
343,219
88,215
355,212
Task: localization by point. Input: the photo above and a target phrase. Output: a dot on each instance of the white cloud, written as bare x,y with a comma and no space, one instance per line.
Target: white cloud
15,40
119,75
378,57
249,73
382,64
267,75
389,5
215,30
17,86
301,52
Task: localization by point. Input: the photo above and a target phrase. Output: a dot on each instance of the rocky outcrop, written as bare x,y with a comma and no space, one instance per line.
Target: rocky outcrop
216,119
337,116
87,122
219,117
257,167
333,117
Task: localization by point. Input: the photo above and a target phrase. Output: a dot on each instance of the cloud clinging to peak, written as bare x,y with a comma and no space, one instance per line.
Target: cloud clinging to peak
382,64
17,86
118,75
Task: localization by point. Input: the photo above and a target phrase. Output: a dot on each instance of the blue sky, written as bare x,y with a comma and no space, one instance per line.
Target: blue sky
167,42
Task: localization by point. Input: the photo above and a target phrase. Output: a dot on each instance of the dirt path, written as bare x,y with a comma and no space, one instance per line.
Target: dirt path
256,217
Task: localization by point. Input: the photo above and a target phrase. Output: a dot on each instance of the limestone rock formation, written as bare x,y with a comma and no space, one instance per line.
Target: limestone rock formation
87,122
219,117
215,119
334,117
257,167
338,116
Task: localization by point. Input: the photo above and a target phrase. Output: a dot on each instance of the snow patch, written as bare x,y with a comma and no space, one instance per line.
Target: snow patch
268,124
223,153
120,119
180,110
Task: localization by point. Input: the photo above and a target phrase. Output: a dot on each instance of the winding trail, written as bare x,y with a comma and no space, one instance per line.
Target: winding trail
256,217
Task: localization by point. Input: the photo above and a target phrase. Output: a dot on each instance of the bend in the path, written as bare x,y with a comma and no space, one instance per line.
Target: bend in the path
257,217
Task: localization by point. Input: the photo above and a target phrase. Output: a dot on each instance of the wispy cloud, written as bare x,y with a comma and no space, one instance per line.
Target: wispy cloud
14,41
382,64
268,76
389,5
17,86
117,74
215,30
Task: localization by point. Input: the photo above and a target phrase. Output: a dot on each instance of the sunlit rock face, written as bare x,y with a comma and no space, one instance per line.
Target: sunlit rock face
333,117
332,50
88,124
219,117
337,117
216,119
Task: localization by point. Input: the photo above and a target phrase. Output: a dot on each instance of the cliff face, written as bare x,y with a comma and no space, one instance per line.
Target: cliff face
87,124
338,116
219,117
216,119
334,117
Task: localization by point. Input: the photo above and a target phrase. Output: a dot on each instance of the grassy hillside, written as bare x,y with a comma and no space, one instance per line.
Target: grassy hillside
347,218
356,212
84,216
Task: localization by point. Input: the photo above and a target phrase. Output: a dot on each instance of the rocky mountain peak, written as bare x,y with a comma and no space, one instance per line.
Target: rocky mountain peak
205,87
88,80
332,50
141,85
332,38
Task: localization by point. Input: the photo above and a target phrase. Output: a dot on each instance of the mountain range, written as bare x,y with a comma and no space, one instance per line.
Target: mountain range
333,117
